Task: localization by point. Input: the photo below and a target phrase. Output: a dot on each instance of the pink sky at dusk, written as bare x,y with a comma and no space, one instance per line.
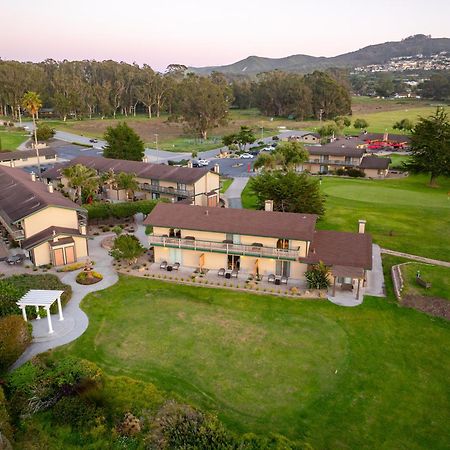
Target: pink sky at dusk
201,32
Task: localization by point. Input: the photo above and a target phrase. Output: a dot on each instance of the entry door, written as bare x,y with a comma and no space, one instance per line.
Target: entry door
70,254
283,268
234,262
59,256
176,255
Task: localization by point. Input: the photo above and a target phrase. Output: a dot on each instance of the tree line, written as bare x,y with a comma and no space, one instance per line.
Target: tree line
105,88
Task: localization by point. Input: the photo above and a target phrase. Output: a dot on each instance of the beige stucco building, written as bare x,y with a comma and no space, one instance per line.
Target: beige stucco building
199,186
261,243
48,226
26,158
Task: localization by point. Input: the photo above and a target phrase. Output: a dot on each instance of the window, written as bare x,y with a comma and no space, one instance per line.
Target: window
181,187
155,182
234,262
283,244
155,196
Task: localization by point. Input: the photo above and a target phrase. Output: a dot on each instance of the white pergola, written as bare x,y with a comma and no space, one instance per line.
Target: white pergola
44,298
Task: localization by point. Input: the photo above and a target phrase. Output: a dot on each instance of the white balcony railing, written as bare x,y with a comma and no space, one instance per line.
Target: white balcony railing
223,247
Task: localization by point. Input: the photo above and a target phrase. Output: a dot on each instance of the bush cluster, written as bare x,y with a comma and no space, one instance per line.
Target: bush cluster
15,336
120,210
351,172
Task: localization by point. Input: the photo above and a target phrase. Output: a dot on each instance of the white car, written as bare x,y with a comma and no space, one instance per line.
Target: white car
246,156
203,162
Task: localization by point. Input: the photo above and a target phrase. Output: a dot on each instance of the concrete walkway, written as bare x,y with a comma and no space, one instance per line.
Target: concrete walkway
375,284
436,262
233,193
75,320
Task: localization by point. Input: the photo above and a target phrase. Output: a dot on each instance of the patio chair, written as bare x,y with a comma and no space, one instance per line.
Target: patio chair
163,265
176,266
284,280
234,273
271,278
221,272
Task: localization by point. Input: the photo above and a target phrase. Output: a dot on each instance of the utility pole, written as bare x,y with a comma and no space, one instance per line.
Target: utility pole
320,114
156,143
262,132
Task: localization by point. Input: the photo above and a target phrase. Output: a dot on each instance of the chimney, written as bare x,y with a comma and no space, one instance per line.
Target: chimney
268,205
83,229
189,164
216,168
361,226
33,176
50,188
206,213
145,159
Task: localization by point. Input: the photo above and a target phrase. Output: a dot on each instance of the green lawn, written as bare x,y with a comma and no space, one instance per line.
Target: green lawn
402,214
369,377
439,277
225,183
10,140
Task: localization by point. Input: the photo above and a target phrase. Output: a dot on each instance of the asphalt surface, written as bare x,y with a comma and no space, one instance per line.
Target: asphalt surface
65,145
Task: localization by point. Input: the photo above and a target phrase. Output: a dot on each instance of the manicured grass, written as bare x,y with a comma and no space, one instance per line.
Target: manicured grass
402,214
12,139
225,183
374,376
397,160
438,276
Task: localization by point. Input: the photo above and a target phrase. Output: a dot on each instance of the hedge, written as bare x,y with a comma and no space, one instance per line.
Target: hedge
120,210
15,336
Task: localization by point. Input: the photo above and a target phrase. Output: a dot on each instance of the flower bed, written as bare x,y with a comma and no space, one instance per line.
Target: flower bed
87,279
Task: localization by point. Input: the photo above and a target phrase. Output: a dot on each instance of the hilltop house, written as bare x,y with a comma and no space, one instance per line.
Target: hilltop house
263,243
48,226
305,137
199,186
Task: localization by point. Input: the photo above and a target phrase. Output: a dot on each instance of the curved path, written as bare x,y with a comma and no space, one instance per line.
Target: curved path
75,320
436,262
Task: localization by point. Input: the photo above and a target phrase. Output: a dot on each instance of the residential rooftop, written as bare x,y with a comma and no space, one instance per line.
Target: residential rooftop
234,221
23,154
140,169
341,248
374,162
334,149
20,196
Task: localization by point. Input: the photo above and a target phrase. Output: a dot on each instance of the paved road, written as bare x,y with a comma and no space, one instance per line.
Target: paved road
233,193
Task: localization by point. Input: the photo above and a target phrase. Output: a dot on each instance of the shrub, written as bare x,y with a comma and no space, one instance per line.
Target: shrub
148,230
127,247
44,132
86,278
120,210
340,171
71,267
118,230
5,426
77,411
317,276
355,173
15,336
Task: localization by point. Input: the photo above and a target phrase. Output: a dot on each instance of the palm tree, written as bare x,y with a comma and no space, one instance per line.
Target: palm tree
31,101
126,181
83,180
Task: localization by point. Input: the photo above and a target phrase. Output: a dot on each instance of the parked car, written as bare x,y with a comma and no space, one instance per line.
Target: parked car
203,162
247,156
254,152
94,141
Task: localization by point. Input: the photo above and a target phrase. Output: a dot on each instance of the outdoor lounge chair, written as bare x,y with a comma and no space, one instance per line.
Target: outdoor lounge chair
221,272
234,273
176,266
271,278
163,265
284,280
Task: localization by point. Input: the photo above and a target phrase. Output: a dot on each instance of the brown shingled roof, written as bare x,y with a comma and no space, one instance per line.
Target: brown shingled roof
21,154
336,150
47,234
20,196
140,169
374,162
340,248
234,221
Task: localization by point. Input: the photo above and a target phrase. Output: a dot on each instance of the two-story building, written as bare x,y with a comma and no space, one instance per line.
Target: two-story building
199,186
305,137
250,242
47,225
330,157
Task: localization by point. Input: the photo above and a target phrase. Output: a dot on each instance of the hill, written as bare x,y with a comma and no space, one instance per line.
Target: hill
373,54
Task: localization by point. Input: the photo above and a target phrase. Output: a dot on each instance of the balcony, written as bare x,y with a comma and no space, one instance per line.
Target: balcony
223,247
167,190
16,233
332,162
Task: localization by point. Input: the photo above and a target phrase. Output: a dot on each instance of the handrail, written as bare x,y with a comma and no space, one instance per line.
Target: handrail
222,247
166,190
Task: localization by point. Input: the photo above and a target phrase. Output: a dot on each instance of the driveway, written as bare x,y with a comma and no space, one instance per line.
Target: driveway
233,193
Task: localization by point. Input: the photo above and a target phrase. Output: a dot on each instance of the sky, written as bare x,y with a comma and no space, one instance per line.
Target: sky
208,32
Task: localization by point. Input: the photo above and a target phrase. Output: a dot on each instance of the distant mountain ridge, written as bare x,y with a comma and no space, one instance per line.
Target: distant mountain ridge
373,54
